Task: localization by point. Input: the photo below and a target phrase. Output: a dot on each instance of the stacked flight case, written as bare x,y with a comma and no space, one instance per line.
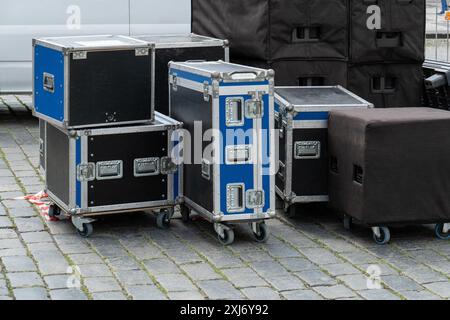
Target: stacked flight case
104,151
301,119
92,81
228,173
180,48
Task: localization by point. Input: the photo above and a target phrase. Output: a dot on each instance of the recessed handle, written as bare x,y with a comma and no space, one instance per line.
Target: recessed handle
243,75
48,80
109,170
389,39
307,150
145,167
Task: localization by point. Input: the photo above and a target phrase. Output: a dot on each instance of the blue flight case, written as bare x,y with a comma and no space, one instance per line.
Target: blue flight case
301,118
228,172
93,81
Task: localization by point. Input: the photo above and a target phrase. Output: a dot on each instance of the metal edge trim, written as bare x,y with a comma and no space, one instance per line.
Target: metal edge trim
218,154
72,172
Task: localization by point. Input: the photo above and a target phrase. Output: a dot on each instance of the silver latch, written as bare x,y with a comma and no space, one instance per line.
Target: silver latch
146,167
254,199
307,150
168,166
206,91
86,172
79,55
174,82
254,108
139,52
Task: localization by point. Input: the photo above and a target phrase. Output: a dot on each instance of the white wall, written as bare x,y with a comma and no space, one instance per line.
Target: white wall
22,20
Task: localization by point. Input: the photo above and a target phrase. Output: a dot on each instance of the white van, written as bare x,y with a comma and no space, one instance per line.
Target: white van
22,20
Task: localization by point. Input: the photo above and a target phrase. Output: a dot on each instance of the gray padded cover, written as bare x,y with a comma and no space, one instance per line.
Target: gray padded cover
321,73
407,89
405,18
405,157
298,72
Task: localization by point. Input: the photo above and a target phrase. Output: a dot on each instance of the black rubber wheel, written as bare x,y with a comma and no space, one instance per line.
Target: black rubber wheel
348,221
54,210
439,230
384,238
228,237
163,220
88,229
185,213
263,234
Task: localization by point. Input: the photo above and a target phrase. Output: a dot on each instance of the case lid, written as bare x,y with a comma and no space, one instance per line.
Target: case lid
228,72
89,43
181,41
318,98
161,123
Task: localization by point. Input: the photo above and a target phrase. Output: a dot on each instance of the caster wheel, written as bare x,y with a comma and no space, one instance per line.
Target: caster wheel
439,230
87,230
227,238
263,233
185,213
348,221
384,238
54,210
163,220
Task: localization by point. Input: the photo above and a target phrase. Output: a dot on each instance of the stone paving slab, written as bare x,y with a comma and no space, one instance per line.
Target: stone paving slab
310,257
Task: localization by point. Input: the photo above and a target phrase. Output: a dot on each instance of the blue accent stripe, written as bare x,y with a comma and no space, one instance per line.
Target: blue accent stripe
189,76
266,148
240,84
311,116
78,161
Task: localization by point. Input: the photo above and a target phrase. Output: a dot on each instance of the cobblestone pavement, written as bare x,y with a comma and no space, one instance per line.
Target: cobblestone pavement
309,257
